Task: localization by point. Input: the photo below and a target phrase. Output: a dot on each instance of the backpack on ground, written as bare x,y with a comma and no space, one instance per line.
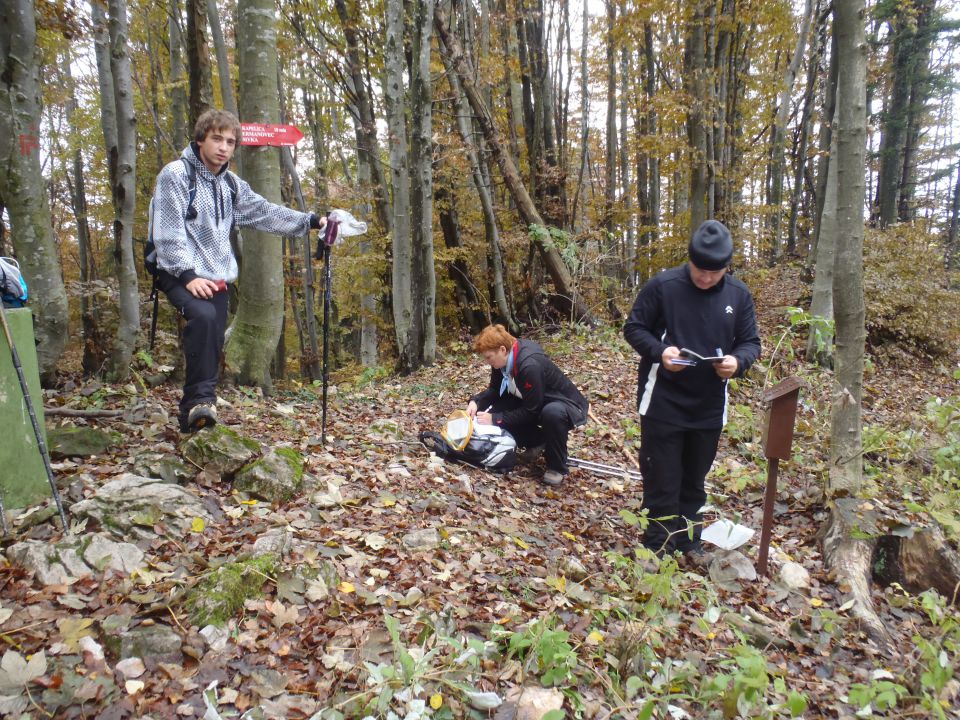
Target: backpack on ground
150,249
13,288
462,440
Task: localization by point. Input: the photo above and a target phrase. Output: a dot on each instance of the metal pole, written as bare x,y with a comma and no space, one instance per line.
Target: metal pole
327,295
602,469
769,496
33,419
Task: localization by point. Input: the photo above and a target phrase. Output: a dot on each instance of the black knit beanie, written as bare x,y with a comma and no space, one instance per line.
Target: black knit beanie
711,247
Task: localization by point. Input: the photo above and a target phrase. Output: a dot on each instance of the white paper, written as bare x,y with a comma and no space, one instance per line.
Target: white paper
726,534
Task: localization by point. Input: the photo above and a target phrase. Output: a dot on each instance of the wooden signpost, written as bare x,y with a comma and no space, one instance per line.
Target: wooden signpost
781,413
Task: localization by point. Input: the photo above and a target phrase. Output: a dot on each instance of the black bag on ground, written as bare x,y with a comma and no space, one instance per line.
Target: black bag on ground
483,446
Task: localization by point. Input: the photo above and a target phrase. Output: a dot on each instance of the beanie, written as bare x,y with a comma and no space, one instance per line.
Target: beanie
711,247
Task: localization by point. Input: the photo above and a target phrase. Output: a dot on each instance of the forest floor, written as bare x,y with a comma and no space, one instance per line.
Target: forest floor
525,586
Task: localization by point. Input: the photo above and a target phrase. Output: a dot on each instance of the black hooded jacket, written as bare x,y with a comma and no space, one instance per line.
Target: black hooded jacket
536,381
671,310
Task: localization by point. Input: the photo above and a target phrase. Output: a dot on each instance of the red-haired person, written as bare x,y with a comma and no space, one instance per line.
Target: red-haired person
530,397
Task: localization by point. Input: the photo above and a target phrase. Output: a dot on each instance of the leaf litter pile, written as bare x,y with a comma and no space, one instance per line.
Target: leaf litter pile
397,585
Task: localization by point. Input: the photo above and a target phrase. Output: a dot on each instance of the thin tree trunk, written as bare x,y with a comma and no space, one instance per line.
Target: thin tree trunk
611,262
22,186
256,328
626,197
198,59
824,145
421,166
93,348
697,116
819,341
223,62
124,195
395,97
779,134
178,94
584,112
559,272
650,83
457,269
952,254
463,119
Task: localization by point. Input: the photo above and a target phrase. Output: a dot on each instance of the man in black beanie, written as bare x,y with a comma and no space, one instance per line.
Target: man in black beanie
682,398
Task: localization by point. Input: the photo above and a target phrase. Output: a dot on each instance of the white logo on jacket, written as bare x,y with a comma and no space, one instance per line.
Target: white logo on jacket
729,310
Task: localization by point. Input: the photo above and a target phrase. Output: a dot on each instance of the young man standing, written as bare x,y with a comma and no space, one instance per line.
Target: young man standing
528,396
196,203
682,401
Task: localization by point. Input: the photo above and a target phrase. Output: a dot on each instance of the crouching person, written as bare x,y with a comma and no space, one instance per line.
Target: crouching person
529,396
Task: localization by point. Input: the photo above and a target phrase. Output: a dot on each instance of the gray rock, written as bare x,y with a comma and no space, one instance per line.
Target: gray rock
215,637
73,562
162,466
74,441
41,559
220,450
330,498
794,576
278,541
572,568
535,702
385,429
103,553
132,505
275,477
158,642
426,539
728,566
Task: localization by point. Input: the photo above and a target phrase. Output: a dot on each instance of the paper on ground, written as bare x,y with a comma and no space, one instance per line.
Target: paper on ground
726,534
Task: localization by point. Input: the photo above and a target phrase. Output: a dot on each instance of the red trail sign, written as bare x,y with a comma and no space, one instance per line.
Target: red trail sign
276,135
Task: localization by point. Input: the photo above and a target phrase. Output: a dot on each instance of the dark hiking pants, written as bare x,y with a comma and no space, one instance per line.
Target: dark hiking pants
551,429
202,338
674,462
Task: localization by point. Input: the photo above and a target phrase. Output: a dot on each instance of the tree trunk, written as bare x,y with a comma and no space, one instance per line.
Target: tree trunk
722,69
844,553
124,195
424,291
178,94
223,62
559,273
650,84
952,254
819,341
22,187
256,328
492,232
611,263
804,129
463,288
198,59
626,197
395,97
824,145
698,120
778,150
93,347
584,114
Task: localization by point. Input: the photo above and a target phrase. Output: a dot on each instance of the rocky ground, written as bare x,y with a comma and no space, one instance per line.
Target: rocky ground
257,570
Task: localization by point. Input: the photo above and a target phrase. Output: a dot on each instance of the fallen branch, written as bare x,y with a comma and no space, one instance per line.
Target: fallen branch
75,412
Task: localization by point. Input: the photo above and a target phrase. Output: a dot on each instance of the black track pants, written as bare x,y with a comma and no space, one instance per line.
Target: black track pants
674,462
206,322
551,430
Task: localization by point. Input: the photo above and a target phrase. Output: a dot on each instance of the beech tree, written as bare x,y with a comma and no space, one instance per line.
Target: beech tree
22,184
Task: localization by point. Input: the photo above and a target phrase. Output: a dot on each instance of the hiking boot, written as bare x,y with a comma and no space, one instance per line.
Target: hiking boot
552,478
697,558
201,416
530,455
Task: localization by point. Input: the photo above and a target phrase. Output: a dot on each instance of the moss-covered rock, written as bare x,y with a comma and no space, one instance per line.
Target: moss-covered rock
74,441
275,477
221,594
166,467
220,450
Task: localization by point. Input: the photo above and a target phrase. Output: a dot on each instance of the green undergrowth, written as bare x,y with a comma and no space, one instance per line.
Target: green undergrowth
657,642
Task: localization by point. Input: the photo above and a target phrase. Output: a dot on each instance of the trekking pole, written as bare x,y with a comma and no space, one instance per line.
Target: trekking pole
602,469
327,294
3,516
33,419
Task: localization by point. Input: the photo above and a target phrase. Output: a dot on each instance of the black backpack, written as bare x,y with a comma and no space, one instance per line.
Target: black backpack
489,447
150,249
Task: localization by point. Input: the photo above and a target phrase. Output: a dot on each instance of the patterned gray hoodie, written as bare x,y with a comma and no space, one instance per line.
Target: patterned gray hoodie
201,247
